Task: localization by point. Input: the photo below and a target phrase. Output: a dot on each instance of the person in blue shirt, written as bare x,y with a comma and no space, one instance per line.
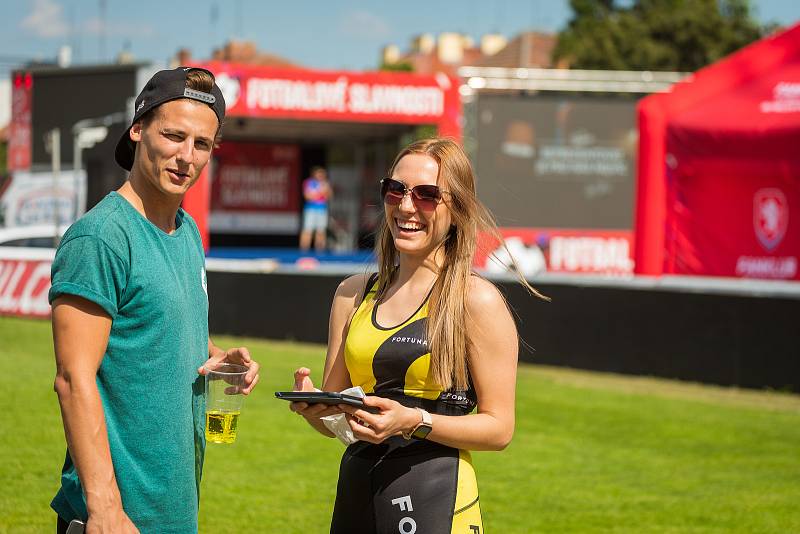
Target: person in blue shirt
317,193
130,325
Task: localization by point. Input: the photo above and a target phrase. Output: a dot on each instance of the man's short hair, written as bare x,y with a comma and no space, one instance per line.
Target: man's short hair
197,79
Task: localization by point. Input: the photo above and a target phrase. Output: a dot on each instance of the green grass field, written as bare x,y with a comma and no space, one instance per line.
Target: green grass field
592,453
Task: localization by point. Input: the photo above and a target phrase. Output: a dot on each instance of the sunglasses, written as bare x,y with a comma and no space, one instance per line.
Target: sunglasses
424,197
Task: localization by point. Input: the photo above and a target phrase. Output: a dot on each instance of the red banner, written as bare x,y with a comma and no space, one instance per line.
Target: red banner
537,250
23,287
381,97
19,129
255,188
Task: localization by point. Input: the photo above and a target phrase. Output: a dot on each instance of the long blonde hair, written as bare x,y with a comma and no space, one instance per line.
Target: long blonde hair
448,338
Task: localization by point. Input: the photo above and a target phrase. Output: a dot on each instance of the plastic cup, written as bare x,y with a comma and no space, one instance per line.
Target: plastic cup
224,401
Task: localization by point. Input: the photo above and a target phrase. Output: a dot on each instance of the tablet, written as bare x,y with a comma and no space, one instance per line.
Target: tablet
322,397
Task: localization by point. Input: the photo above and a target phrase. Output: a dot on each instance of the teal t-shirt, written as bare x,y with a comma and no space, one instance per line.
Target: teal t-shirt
153,285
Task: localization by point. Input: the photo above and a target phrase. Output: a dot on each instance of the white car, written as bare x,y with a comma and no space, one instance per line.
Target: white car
30,242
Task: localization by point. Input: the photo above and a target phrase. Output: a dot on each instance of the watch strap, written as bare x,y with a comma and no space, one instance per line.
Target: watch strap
423,428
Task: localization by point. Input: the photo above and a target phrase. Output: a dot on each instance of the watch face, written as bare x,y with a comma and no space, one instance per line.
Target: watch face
421,432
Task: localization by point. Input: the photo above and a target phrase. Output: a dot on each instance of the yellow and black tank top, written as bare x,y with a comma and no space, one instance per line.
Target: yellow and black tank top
394,362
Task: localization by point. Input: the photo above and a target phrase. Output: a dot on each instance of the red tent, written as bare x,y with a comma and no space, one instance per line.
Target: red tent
719,168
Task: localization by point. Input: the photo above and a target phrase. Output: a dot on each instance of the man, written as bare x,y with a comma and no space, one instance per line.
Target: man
316,192
130,325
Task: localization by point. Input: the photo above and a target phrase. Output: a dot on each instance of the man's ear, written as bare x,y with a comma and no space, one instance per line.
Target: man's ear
136,132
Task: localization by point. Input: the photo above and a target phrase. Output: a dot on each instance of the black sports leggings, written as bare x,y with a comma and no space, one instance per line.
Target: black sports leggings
407,487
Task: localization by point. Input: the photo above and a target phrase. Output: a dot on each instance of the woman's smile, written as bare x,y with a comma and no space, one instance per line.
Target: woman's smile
406,227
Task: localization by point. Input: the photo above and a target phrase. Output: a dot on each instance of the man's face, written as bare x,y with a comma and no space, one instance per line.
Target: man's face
175,145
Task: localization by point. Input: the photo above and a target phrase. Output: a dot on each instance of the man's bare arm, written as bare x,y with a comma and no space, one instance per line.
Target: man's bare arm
80,336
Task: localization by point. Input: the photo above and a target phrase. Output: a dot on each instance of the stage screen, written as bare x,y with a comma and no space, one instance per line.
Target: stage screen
557,161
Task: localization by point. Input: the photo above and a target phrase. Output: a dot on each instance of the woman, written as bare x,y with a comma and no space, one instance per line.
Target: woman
428,341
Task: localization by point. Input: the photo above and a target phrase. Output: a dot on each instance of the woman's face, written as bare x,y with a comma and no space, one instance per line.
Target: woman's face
416,228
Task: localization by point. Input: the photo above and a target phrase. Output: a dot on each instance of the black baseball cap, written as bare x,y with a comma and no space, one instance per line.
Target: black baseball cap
165,85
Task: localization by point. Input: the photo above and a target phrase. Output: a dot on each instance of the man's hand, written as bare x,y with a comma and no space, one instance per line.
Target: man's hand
237,355
111,523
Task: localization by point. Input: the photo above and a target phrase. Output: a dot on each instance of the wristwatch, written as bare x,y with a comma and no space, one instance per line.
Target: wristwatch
422,429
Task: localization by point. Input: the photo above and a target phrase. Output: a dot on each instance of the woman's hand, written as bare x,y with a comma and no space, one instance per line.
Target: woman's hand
392,420
302,382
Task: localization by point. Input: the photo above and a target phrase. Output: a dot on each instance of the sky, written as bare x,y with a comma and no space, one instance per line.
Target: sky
324,34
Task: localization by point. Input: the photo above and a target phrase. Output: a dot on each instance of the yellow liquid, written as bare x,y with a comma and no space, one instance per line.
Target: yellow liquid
221,426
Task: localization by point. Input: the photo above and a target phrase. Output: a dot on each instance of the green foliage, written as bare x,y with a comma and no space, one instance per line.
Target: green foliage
402,66
422,131
592,453
3,157
666,35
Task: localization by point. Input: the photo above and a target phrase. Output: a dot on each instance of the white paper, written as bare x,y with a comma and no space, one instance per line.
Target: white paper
338,423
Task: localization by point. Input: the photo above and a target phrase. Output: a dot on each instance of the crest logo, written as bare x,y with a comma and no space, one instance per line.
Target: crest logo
770,217
230,88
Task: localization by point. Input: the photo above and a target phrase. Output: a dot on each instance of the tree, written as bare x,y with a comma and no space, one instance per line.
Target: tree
402,66
672,35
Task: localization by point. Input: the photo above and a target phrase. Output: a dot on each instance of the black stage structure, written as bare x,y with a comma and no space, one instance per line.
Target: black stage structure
717,331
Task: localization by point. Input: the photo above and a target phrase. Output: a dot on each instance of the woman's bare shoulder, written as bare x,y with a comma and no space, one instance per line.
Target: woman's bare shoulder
483,296
352,287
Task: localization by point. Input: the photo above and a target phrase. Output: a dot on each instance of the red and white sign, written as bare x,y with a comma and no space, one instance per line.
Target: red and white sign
770,217
19,129
380,97
770,222
785,98
255,189
23,287
601,252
